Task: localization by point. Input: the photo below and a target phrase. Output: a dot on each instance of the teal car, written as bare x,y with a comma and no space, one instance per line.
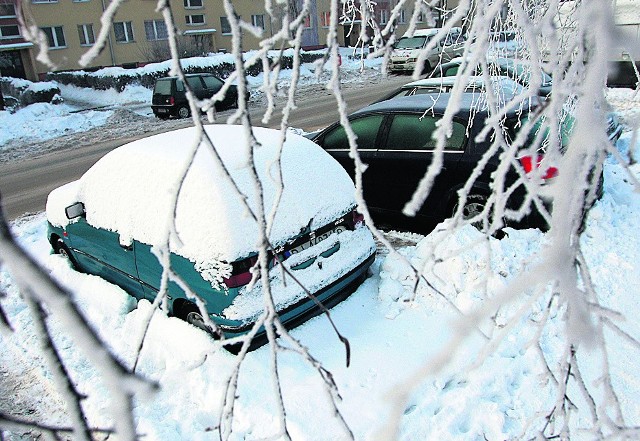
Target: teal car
122,216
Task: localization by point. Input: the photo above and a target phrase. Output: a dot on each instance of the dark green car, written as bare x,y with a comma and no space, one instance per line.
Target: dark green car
121,218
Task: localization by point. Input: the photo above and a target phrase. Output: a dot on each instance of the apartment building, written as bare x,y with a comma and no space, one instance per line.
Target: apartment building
16,58
138,34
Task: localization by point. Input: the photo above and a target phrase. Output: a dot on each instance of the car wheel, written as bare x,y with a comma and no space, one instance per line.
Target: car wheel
190,313
60,248
426,68
473,206
183,112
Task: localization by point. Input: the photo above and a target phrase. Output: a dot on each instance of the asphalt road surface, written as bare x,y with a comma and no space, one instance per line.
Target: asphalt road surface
24,185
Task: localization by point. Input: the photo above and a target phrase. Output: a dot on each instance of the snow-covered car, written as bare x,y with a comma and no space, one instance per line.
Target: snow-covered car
114,222
504,87
407,49
518,71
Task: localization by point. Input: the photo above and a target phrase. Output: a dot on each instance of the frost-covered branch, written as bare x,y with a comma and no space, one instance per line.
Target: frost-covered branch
35,282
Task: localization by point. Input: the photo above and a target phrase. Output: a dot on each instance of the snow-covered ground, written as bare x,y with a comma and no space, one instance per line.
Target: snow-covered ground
390,340
506,396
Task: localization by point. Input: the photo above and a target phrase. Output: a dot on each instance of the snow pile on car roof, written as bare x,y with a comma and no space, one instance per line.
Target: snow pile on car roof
131,191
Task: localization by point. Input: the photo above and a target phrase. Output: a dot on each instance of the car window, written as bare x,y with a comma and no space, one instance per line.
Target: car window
179,86
453,37
541,129
450,72
430,89
411,42
163,87
195,83
413,132
365,128
212,83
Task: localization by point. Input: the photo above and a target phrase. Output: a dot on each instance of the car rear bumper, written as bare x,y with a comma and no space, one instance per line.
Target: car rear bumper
163,110
306,308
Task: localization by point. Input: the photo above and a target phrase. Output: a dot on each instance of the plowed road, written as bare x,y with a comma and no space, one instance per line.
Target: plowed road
24,186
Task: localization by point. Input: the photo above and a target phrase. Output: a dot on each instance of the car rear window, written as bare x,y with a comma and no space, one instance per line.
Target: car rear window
163,87
413,132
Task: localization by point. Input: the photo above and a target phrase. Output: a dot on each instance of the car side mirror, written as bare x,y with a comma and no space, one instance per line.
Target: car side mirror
75,210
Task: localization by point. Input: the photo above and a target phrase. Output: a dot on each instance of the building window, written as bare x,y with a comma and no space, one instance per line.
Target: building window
402,18
155,30
80,1
225,27
7,11
194,19
325,19
85,32
384,16
307,22
123,31
55,37
44,1
192,4
9,31
258,21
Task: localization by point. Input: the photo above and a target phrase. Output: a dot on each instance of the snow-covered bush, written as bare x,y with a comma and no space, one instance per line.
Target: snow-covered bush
27,92
220,65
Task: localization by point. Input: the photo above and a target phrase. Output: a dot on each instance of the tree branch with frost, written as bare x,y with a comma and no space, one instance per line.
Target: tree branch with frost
34,281
30,31
103,36
16,424
62,378
5,324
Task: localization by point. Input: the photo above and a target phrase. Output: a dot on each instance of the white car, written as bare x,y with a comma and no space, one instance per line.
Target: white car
407,50
116,218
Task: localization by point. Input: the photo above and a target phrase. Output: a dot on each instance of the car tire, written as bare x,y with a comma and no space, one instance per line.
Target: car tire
426,68
473,206
189,312
60,248
183,112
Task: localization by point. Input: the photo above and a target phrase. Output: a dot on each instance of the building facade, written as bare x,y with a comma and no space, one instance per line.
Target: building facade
16,59
138,34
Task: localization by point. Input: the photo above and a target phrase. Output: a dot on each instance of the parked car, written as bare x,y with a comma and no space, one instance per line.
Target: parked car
112,221
504,87
406,50
395,140
518,71
503,44
169,97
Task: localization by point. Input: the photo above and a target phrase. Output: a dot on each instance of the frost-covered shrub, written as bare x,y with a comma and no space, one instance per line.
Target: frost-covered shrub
220,65
27,92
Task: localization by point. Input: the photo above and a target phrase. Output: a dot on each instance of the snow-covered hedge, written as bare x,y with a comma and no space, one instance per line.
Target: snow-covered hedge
27,92
219,64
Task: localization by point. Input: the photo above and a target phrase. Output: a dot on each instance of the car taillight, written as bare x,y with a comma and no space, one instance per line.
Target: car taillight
172,100
529,164
356,218
241,272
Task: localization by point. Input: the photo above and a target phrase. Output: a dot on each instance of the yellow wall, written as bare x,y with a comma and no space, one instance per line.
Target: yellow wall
70,13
